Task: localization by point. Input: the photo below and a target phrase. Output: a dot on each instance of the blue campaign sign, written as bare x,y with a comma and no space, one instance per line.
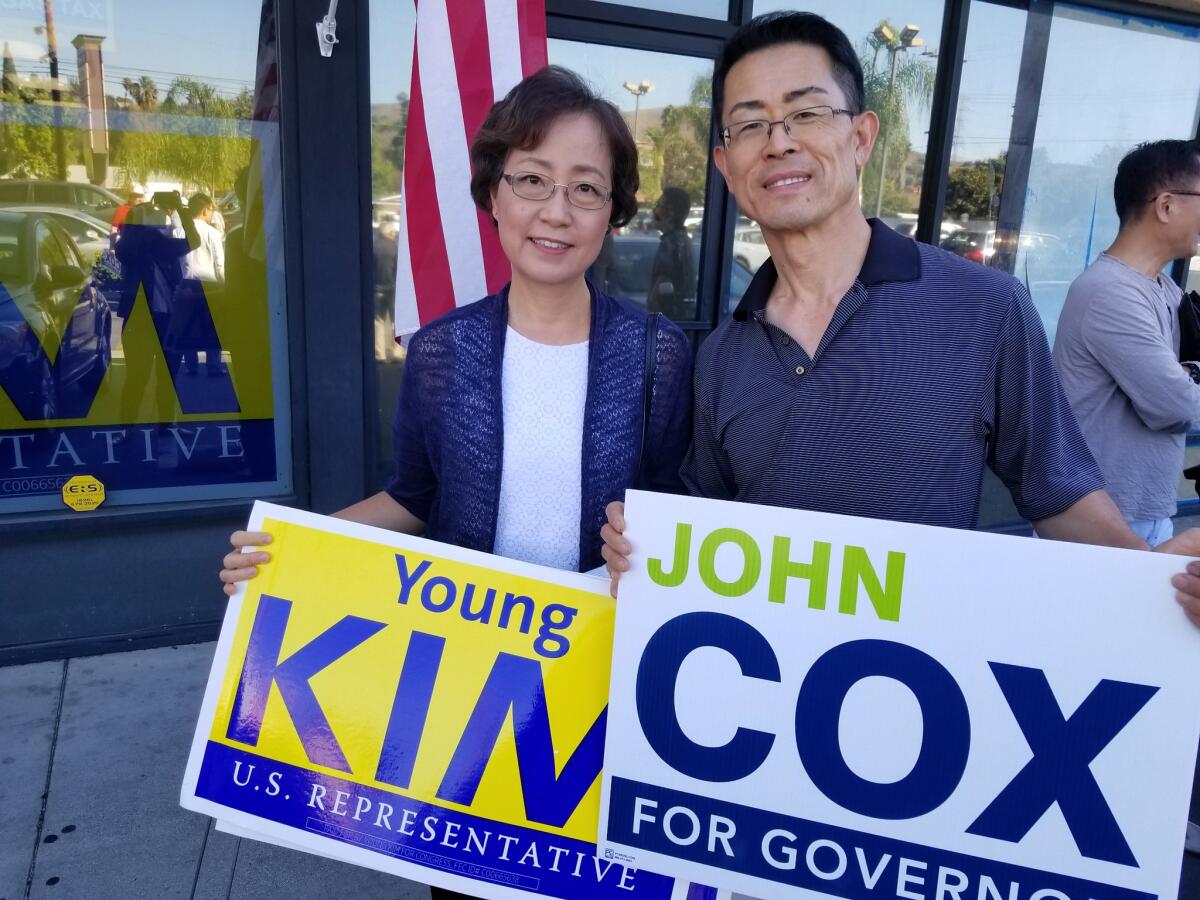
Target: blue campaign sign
809,704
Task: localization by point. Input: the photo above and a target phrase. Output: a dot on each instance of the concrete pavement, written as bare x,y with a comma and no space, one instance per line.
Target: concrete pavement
89,793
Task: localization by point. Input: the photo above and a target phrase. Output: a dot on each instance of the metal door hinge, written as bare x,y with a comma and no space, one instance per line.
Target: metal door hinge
327,30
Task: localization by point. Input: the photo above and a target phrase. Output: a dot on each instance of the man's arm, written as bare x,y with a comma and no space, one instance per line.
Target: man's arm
1094,519
1124,336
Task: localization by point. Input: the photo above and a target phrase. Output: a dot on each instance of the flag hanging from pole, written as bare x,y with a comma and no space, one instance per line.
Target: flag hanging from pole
467,55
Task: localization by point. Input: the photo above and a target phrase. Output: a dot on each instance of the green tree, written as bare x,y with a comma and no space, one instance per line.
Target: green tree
973,188
388,126
208,155
678,151
144,92
891,83
26,141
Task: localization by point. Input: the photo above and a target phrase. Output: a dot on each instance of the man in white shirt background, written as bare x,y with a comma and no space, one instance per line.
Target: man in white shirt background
203,280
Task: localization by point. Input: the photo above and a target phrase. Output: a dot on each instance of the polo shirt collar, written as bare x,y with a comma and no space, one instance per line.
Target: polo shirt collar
890,257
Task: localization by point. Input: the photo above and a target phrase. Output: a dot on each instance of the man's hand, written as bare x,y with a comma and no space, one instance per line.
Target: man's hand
1187,583
616,549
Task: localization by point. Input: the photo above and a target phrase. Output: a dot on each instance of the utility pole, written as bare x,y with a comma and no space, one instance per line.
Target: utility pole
894,43
60,153
894,52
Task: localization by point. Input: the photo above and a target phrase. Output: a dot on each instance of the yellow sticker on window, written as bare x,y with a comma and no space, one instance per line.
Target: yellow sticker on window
83,493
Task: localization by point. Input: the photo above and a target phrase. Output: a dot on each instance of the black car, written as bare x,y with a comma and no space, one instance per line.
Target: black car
55,325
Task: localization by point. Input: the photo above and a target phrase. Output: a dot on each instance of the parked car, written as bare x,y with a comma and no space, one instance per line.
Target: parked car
909,230
89,232
749,248
634,258
55,325
977,246
89,198
641,223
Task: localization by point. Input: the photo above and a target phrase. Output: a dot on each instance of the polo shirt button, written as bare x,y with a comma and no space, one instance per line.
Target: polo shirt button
799,370
786,340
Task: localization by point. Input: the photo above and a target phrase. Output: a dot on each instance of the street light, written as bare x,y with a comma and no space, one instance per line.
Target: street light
894,43
637,90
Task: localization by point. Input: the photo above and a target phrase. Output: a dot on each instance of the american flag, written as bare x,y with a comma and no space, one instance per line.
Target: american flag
468,54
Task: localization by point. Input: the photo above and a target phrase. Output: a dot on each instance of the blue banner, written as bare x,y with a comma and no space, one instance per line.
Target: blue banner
424,833
131,457
818,856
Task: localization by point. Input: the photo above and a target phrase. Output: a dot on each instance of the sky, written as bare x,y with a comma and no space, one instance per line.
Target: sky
214,41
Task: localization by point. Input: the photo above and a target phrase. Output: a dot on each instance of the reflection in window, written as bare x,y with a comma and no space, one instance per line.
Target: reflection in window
393,28
141,327
1092,113
987,92
667,101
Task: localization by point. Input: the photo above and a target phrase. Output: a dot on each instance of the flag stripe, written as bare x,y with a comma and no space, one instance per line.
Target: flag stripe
467,55
426,253
531,16
504,40
473,63
448,149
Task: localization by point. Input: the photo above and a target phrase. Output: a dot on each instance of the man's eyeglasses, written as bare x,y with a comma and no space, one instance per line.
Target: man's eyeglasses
756,132
1173,191
532,186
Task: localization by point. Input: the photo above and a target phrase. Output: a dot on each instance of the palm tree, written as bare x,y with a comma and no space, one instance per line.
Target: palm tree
144,92
890,86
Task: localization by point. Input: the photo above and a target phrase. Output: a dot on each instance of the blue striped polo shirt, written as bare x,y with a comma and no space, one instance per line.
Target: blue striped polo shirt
931,368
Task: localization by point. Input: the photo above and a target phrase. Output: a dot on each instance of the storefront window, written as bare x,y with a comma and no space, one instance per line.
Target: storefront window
1092,113
393,28
142,340
986,96
666,100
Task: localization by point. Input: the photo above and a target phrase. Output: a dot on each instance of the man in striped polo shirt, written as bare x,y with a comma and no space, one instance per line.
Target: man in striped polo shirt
863,373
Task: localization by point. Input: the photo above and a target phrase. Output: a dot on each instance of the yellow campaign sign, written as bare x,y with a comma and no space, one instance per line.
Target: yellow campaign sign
429,711
83,493
128,365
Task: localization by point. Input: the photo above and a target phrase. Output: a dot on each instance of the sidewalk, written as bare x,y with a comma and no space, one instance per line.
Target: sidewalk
92,753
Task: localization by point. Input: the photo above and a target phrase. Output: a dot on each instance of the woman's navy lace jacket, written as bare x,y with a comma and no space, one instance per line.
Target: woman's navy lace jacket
449,430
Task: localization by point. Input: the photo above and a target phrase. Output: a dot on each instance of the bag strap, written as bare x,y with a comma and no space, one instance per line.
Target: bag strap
648,387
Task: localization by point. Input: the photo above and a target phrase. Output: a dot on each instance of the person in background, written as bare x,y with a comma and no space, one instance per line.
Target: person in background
1117,346
673,274
203,280
135,196
523,414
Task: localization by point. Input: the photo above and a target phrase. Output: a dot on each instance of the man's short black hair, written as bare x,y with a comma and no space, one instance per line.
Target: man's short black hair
1151,168
789,27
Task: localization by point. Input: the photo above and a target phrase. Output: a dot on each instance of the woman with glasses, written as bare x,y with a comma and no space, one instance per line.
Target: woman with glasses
523,414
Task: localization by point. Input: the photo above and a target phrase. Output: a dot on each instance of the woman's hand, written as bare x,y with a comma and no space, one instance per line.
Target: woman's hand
241,565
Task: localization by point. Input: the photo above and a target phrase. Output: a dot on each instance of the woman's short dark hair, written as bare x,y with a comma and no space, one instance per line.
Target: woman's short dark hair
1149,169
789,27
520,121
